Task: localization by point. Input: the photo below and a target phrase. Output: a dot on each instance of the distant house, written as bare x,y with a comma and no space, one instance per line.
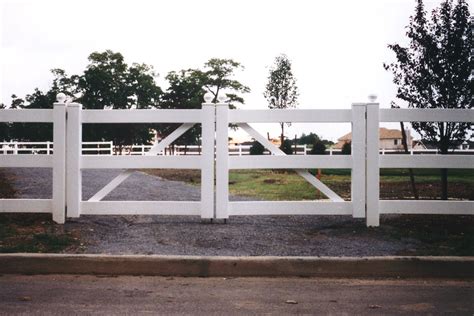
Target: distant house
389,139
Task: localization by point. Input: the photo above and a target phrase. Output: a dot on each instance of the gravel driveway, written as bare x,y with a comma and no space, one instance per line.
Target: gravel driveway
189,235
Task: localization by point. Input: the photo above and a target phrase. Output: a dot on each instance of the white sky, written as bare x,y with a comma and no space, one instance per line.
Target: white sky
337,47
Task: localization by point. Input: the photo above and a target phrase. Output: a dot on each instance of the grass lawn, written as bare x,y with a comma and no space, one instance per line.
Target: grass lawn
287,185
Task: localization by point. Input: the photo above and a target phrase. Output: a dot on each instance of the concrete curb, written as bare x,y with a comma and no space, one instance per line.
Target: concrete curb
195,266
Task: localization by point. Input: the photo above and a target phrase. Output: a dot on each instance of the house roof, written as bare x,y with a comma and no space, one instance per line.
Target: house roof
384,133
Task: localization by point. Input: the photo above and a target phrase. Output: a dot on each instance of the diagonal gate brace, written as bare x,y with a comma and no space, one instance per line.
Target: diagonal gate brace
303,173
157,148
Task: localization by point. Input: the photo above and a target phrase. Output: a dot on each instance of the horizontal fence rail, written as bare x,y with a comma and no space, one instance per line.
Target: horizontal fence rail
57,205
68,155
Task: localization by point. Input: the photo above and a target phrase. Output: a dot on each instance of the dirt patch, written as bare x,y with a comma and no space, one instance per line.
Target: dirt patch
187,175
427,191
32,232
6,189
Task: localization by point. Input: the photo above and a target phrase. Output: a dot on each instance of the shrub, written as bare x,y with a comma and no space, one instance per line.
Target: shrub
346,148
287,147
257,148
318,148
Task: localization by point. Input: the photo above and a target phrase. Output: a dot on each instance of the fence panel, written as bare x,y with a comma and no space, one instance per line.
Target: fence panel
151,159
57,205
451,161
69,158
278,160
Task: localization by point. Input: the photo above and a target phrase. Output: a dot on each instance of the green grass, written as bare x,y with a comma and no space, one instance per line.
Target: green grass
465,175
287,185
278,185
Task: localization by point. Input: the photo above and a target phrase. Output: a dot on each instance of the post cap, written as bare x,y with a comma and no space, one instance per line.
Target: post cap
221,98
372,97
61,97
208,97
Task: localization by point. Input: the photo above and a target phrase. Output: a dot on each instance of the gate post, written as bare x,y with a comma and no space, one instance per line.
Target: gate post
59,159
207,159
373,170
358,193
73,160
222,160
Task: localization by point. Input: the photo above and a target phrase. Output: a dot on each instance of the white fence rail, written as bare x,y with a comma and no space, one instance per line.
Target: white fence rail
68,156
108,148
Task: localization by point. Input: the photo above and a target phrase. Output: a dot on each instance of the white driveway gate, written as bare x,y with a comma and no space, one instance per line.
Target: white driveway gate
365,162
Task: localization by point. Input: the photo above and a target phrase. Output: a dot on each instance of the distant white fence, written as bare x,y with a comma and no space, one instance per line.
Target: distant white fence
46,148
108,148
68,159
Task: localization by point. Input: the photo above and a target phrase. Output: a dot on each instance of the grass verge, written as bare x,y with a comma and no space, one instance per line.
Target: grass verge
277,185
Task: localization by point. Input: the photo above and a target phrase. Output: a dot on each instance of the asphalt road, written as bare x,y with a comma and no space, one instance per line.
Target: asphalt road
69,294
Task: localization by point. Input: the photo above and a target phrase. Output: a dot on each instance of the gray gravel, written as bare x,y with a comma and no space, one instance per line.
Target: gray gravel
189,235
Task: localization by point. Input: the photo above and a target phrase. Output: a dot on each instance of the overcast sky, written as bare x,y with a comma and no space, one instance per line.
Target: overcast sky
337,47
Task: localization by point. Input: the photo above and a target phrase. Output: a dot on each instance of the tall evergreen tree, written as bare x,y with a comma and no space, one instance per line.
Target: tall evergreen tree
433,71
281,91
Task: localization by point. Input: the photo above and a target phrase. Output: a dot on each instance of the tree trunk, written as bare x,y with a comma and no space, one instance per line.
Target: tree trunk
444,172
410,170
444,184
282,136
294,147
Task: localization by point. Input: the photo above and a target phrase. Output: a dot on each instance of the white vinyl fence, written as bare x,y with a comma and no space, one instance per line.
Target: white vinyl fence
108,148
68,159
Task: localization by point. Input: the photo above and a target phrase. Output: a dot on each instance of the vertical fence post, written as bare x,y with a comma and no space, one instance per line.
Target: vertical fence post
358,193
207,159
73,160
222,160
373,170
59,159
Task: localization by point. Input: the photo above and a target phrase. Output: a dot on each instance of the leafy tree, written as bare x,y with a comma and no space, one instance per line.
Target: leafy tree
187,88
281,91
309,139
217,78
257,149
185,92
318,148
346,149
35,132
109,81
433,72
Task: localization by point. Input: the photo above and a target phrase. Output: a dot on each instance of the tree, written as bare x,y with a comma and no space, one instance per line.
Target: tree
281,91
109,81
187,88
346,149
309,139
217,78
318,148
185,91
433,72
